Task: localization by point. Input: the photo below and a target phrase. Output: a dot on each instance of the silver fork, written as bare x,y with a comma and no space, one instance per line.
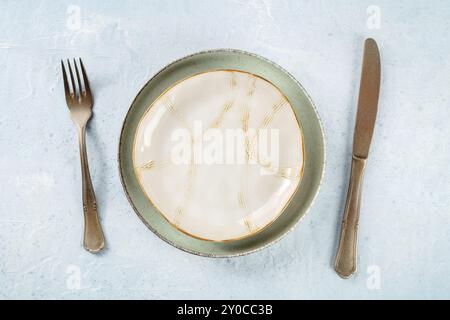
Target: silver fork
80,102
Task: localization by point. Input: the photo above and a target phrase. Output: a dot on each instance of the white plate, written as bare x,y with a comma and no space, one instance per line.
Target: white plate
219,154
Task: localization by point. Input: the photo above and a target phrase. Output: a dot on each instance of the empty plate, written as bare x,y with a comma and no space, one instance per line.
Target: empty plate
221,153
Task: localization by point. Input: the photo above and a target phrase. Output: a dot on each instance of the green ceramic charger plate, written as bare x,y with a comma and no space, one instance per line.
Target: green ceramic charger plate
313,146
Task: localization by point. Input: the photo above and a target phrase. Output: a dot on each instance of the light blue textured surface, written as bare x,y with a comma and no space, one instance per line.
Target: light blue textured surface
404,247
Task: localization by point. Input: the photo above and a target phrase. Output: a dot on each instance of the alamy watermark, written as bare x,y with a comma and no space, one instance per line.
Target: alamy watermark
73,21
227,146
373,277
374,17
73,281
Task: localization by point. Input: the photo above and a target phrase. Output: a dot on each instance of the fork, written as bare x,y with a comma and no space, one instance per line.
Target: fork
80,102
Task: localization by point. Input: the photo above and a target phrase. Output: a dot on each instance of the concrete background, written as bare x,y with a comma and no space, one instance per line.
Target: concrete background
404,247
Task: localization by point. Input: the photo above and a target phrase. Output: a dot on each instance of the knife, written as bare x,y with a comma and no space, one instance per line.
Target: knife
369,90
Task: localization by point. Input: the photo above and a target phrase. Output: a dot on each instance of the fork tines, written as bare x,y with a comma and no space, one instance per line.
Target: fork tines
81,87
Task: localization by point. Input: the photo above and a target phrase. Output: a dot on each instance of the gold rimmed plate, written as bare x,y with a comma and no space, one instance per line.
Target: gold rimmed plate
221,153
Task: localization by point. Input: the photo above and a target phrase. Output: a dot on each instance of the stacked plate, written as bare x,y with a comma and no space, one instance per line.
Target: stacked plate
221,153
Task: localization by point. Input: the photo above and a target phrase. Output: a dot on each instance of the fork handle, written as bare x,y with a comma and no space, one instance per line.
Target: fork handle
93,240
346,256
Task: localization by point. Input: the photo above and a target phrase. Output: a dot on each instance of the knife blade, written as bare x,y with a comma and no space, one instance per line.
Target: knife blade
369,91
346,258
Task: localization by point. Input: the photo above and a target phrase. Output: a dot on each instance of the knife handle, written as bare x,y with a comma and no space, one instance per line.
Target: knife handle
345,264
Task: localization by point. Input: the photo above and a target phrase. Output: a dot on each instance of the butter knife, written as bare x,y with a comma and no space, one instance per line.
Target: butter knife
346,258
